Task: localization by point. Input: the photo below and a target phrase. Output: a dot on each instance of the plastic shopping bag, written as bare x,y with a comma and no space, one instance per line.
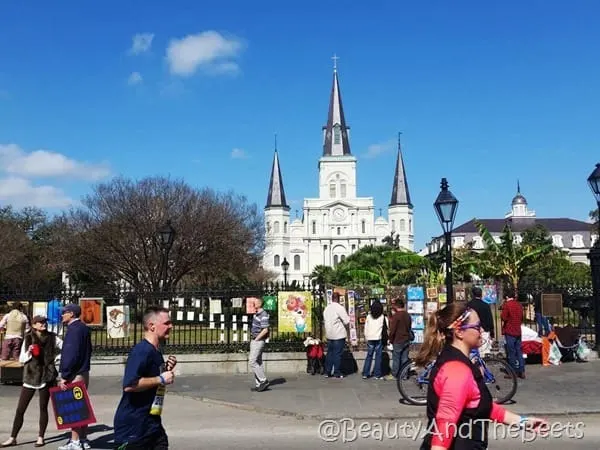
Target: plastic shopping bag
583,350
555,354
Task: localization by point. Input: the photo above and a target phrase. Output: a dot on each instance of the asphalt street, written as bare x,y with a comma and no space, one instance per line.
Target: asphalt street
192,424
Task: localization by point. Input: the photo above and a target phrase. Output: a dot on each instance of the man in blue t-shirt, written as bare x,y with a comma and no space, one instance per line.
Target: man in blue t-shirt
137,422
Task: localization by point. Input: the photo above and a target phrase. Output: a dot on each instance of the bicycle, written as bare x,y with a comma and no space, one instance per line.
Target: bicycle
492,378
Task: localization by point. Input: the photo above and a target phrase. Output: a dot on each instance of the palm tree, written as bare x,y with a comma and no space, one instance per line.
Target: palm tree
506,259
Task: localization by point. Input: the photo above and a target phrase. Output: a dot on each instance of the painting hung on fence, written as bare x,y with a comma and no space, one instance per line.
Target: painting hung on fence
92,310
295,312
117,321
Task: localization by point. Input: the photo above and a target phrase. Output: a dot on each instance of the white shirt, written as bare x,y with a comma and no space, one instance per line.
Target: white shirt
374,327
335,318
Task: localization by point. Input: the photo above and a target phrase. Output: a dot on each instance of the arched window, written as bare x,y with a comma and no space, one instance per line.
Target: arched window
393,225
276,227
276,260
332,190
285,227
296,262
402,224
364,226
335,260
314,227
337,135
410,225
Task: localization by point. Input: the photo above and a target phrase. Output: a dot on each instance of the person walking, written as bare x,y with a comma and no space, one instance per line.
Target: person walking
400,336
137,420
75,364
487,319
512,319
260,333
375,324
15,324
458,397
336,319
41,348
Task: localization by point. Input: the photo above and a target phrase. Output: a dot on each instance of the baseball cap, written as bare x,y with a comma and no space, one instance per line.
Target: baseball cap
39,319
72,308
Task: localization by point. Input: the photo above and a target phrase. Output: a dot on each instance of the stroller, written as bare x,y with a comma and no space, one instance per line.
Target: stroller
314,356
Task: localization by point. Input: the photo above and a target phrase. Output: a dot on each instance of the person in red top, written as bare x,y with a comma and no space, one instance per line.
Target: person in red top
512,318
459,404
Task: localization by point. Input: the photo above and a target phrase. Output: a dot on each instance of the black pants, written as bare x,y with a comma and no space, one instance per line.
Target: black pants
24,400
158,441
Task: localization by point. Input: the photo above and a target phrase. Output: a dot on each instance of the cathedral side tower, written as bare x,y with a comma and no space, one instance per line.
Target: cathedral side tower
277,219
400,210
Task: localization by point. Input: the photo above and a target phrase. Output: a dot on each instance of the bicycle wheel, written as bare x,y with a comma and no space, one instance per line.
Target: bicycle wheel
500,378
413,379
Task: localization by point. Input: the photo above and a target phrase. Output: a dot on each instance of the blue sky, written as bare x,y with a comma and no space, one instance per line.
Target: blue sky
485,93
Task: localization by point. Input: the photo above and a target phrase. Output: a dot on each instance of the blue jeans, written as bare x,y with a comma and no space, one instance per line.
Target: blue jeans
333,359
543,325
514,353
373,347
399,357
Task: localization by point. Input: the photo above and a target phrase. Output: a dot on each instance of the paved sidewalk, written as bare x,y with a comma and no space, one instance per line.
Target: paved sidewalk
572,388
569,389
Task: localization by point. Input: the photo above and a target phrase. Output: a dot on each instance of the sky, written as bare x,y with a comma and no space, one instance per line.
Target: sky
484,93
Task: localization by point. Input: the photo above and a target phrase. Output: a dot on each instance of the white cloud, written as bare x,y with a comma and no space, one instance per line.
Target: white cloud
20,193
141,43
45,163
375,150
238,153
135,78
208,50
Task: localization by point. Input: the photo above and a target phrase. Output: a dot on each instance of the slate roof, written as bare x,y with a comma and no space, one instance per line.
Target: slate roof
552,225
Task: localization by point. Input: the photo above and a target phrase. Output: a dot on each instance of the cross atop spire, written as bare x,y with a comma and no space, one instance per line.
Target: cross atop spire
335,58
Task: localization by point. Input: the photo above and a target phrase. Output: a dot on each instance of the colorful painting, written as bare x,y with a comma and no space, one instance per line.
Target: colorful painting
431,308
342,295
415,307
460,294
117,321
418,336
415,293
489,294
417,321
329,294
40,309
295,312
92,310
352,315
432,293
251,305
442,297
270,303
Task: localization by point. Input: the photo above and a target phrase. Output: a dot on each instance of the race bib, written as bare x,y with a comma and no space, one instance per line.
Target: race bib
157,403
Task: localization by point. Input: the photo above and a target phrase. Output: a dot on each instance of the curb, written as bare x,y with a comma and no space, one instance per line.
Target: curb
388,417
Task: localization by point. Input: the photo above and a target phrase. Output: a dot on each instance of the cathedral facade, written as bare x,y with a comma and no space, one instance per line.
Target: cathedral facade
337,223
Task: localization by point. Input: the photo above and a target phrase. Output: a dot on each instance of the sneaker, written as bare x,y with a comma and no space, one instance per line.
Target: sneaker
365,377
379,378
262,386
390,377
86,444
70,445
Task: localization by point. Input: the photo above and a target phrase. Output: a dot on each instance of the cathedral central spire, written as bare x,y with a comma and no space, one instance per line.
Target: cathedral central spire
335,140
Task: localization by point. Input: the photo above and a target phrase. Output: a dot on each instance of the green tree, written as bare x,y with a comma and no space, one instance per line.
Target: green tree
507,260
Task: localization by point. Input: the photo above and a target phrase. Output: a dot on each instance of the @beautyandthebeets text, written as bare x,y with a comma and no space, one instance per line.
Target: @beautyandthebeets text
350,430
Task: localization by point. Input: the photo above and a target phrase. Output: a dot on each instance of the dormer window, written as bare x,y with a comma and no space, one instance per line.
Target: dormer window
557,240
337,135
578,241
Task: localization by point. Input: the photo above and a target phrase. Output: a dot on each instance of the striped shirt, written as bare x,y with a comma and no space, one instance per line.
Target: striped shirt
259,321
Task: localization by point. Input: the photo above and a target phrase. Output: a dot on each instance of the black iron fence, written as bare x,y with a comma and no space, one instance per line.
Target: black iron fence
220,320
204,320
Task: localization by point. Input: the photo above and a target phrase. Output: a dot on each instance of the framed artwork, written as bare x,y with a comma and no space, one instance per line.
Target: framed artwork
432,293
117,321
39,309
552,305
92,310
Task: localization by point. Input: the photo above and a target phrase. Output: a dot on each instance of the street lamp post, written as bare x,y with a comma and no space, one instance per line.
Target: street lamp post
594,256
285,265
167,236
445,207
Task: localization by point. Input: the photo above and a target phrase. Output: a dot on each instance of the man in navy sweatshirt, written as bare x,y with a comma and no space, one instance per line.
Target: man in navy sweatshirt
75,364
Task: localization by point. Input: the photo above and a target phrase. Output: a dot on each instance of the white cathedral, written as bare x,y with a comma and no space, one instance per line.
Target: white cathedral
337,223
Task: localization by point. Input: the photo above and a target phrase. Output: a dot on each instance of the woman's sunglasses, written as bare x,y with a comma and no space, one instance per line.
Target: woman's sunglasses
473,326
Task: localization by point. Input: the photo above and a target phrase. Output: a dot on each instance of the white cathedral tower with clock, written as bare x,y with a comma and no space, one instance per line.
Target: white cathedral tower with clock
337,223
